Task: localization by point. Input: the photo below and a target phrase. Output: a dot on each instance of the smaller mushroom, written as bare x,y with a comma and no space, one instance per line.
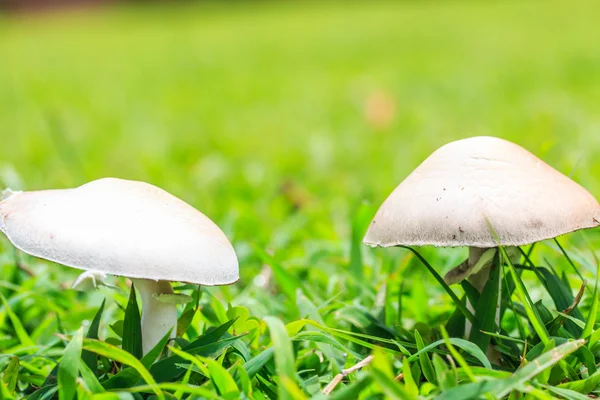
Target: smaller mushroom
124,228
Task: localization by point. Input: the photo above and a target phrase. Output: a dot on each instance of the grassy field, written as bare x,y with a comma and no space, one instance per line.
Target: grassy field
288,124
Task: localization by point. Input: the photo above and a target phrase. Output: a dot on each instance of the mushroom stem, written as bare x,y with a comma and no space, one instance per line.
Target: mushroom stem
157,316
478,280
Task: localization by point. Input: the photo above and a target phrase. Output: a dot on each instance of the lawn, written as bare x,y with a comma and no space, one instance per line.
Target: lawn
288,124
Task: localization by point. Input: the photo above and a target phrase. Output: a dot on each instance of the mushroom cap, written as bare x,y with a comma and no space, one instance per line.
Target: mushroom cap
120,227
482,192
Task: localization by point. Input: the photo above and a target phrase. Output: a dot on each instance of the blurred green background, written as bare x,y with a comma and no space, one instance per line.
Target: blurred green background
277,119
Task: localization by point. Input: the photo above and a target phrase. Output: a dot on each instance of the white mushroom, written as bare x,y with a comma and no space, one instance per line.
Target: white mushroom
446,200
481,192
124,228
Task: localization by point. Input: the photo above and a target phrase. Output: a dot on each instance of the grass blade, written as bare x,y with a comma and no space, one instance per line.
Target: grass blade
391,388
128,376
456,355
424,360
351,391
20,331
446,379
486,307
409,382
283,352
11,374
467,346
124,357
360,221
68,369
591,320
562,297
584,386
90,358
132,326
257,362
459,304
534,317
571,263
191,389
566,393
91,382
221,378
502,387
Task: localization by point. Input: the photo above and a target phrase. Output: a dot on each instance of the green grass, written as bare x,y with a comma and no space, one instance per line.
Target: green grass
256,114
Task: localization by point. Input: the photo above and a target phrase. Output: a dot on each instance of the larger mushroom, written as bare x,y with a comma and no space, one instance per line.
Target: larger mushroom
481,193
124,228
